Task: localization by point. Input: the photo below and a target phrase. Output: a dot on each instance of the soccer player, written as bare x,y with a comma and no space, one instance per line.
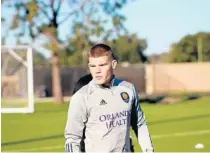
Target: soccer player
106,107
79,84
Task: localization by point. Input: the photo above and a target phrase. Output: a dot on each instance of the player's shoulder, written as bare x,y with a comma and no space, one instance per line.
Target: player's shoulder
124,83
80,95
87,89
83,90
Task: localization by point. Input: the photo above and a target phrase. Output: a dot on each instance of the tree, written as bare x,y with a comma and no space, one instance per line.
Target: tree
130,48
191,48
39,59
127,47
35,18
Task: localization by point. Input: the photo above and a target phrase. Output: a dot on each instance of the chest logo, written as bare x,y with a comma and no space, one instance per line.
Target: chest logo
125,97
103,102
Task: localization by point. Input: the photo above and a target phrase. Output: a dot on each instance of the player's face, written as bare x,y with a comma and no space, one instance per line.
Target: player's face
101,68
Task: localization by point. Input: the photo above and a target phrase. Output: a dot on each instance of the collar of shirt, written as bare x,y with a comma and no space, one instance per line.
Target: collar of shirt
93,86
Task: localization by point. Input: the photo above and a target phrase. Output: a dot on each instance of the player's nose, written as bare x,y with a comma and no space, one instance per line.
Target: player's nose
98,69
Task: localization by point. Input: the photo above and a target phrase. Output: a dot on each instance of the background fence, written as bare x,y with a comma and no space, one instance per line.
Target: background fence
149,79
43,79
192,77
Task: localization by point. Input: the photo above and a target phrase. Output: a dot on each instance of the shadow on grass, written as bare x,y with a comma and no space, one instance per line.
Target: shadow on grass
154,99
31,140
179,119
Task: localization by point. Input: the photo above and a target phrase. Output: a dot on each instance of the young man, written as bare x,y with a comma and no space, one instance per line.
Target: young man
106,107
79,84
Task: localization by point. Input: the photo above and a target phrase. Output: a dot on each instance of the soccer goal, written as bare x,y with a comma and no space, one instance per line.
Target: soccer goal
17,92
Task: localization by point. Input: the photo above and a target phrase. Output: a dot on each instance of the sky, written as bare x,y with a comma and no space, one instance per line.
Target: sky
163,22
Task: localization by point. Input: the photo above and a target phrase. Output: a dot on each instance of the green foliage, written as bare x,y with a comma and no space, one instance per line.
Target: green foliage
40,59
2,19
73,59
130,48
76,52
117,20
32,9
191,48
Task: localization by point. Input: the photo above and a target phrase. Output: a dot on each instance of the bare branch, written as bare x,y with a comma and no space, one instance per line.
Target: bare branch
77,9
59,5
44,4
52,4
45,12
31,32
43,7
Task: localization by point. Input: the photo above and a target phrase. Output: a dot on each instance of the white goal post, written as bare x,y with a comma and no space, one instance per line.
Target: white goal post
17,88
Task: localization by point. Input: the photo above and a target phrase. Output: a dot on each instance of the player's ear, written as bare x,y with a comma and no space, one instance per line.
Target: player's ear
114,64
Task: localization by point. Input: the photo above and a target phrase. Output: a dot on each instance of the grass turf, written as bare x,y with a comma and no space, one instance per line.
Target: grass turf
173,127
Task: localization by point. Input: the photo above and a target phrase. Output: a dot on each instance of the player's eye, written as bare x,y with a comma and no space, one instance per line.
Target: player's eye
103,64
92,66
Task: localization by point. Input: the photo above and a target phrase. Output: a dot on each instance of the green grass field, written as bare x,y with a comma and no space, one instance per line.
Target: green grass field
173,127
14,103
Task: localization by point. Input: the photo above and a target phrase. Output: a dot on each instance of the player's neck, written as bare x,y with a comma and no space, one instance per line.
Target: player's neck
109,83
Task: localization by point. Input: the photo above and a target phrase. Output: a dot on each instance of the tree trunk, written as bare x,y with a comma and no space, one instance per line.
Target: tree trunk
56,79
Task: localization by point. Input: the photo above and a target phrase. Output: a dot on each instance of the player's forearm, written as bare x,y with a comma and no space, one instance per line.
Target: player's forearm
73,135
76,118
73,138
72,143
145,139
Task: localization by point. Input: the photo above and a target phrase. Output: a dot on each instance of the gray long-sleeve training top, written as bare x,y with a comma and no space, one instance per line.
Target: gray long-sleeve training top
107,114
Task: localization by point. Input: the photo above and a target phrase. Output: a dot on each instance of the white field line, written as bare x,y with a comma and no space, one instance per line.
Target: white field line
153,137
181,134
38,148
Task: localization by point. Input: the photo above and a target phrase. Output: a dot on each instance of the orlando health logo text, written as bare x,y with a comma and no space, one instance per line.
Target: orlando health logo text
115,119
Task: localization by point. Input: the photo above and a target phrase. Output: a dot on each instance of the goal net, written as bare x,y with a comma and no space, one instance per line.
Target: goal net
17,93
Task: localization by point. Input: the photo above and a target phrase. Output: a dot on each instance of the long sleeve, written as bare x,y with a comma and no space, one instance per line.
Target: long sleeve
138,123
76,119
